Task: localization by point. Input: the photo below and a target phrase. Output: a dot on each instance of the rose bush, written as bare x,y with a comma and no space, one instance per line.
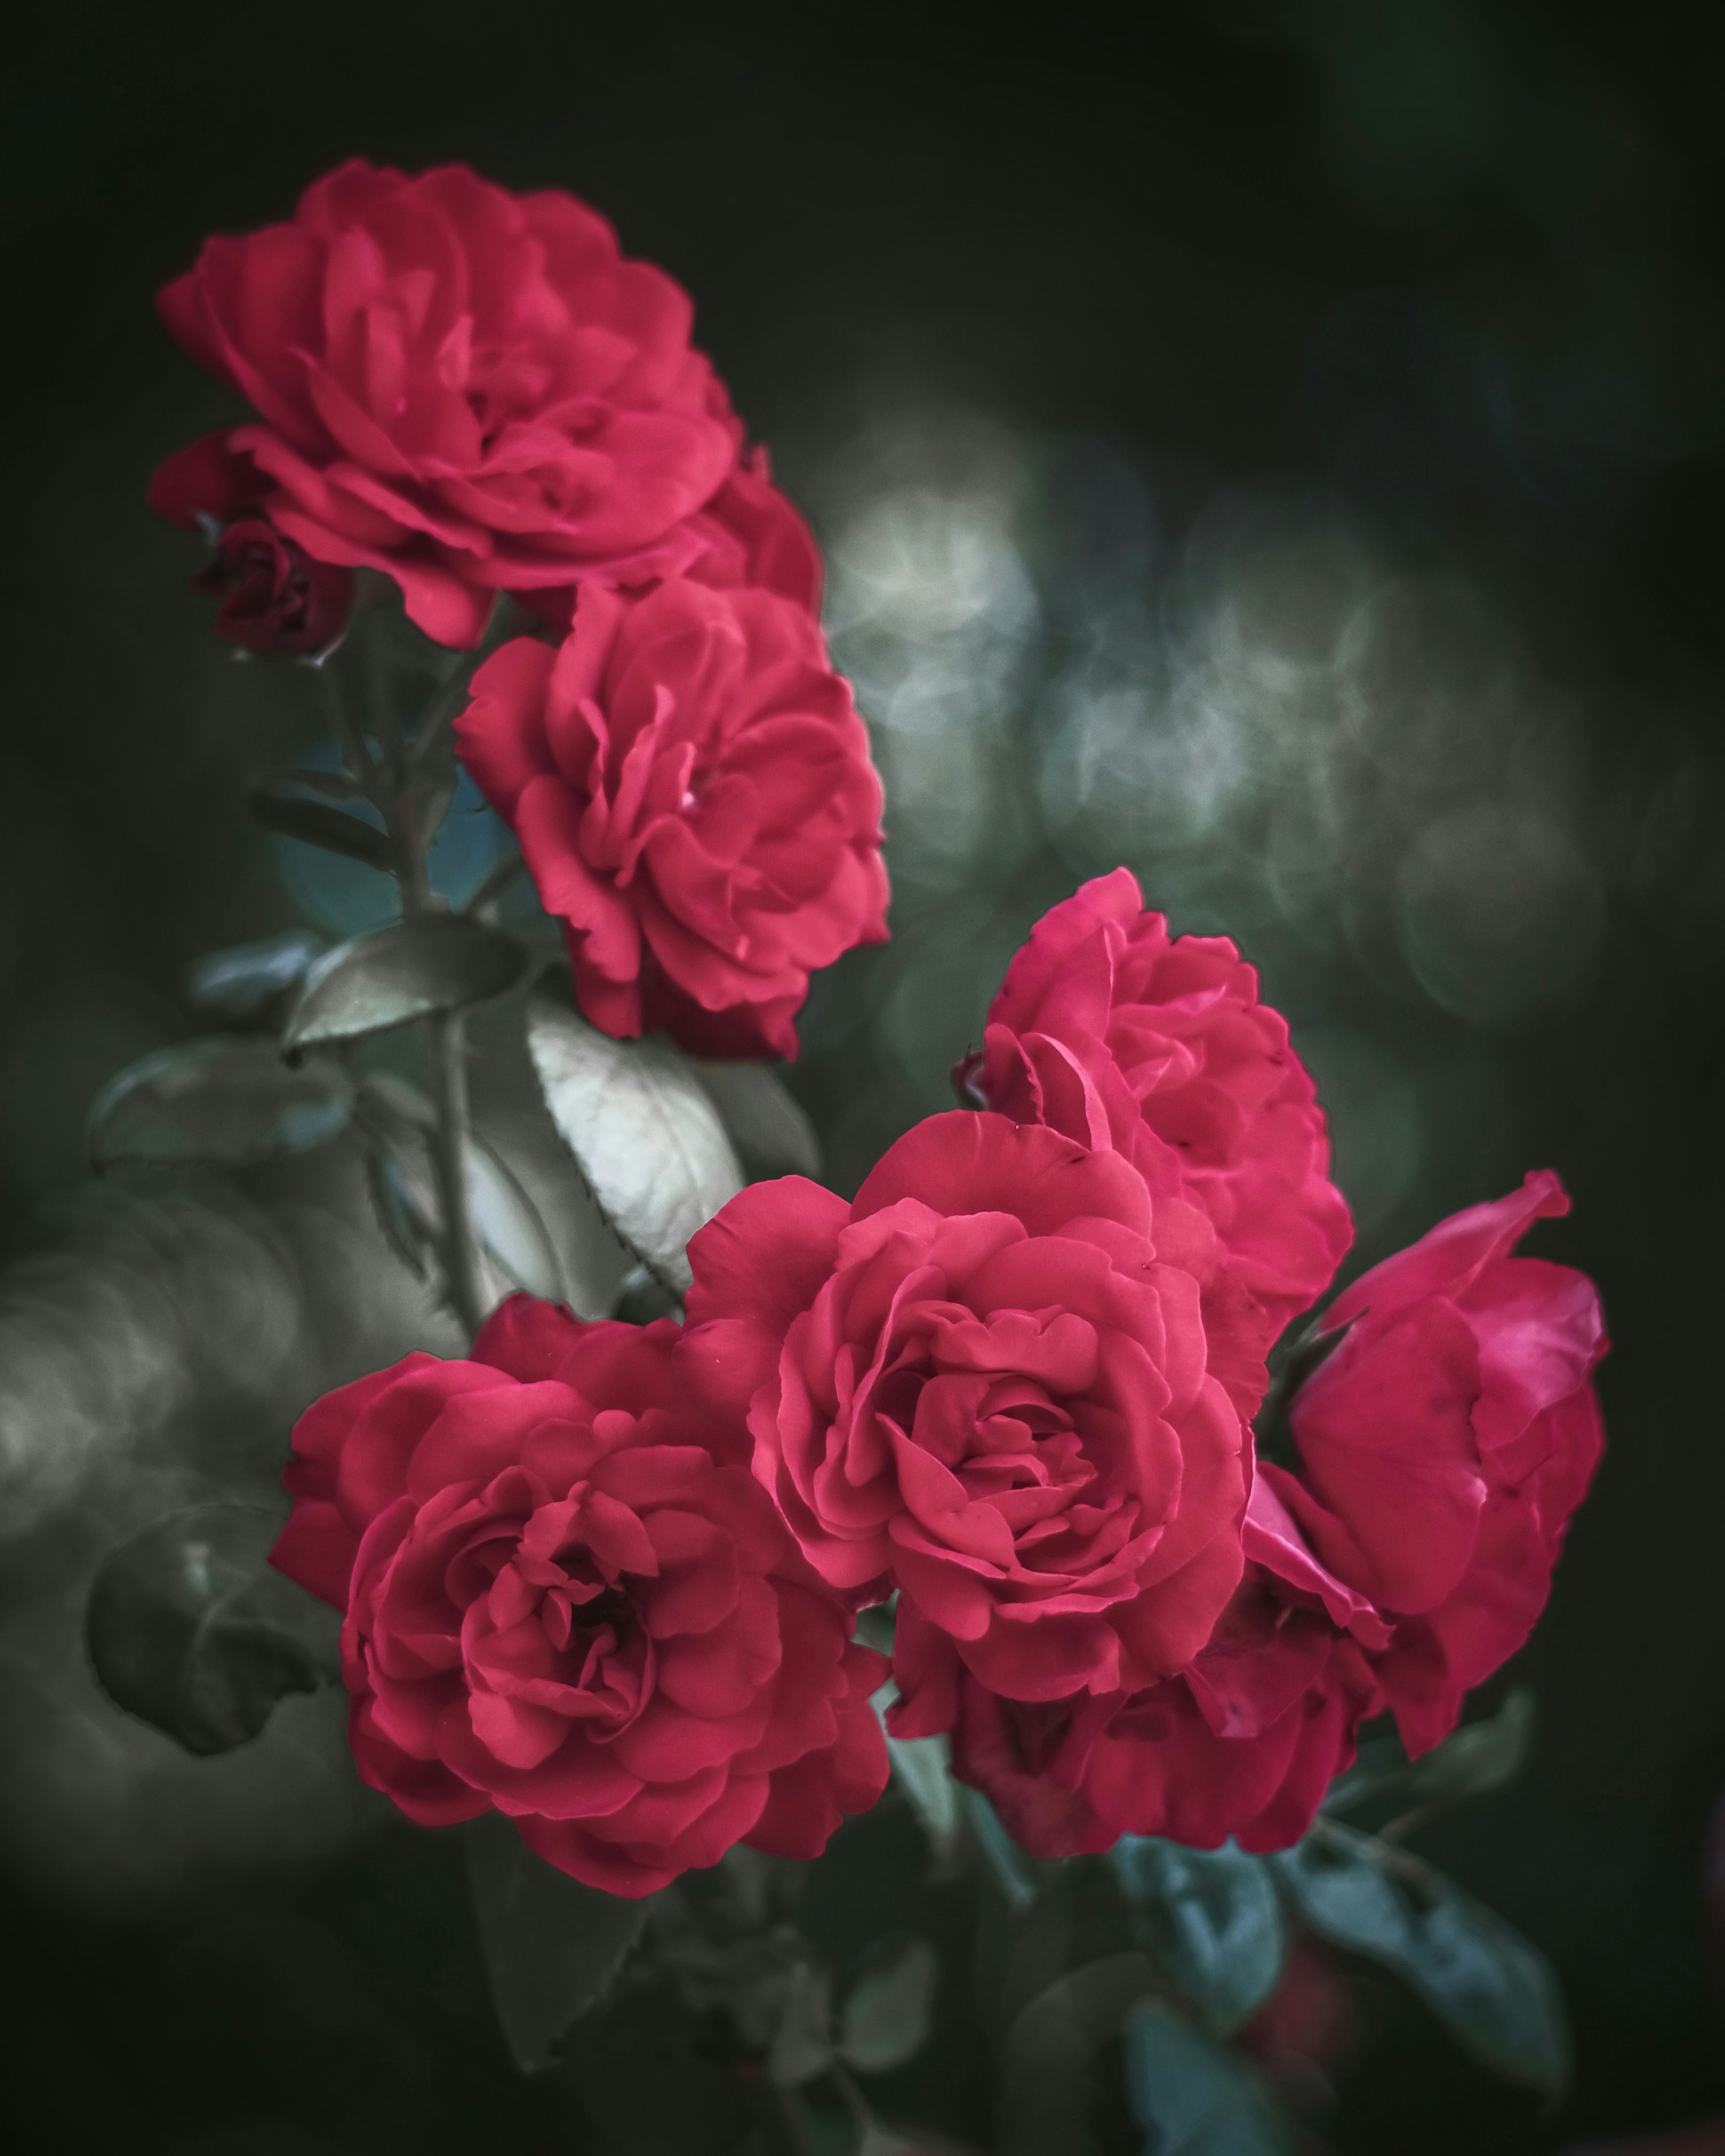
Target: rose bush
1124,1037
566,1600
471,390
984,1382
691,789
1441,1446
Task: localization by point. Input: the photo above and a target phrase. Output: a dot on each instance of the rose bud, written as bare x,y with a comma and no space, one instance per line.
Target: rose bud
273,597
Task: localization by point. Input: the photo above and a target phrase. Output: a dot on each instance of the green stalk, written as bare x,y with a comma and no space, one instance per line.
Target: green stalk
394,784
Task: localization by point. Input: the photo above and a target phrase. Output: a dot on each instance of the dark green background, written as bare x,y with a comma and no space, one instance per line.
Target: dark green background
1167,243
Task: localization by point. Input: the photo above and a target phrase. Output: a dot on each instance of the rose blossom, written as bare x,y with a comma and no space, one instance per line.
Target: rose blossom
1243,1742
1107,1028
1445,1443
691,789
566,1601
750,533
984,1382
1442,1445
470,390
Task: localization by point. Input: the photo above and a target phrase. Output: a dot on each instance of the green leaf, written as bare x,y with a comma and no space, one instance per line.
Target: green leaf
802,2043
337,785
1191,2096
1048,2059
292,816
188,1629
772,1134
922,1767
642,1296
437,962
1490,1987
891,2005
876,1627
399,1120
551,1946
1380,1766
223,1101
1479,1757
1012,1869
241,983
1209,1918
647,1138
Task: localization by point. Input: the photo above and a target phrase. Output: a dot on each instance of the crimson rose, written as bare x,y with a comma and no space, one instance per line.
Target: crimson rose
564,1600
470,390
749,533
1245,1742
691,789
1445,1443
984,1382
1441,1447
1107,1028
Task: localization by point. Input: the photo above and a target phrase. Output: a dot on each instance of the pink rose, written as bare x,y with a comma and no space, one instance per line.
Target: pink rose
1445,1443
563,1600
1112,1032
984,1382
748,534
691,789
1244,1741
1442,1445
470,390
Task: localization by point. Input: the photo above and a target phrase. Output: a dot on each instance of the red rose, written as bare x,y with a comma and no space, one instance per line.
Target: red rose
1110,1031
691,789
751,533
470,390
1245,1741
273,597
748,534
565,1602
1445,1443
984,1382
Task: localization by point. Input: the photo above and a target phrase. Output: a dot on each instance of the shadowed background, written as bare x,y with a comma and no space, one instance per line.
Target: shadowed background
1282,451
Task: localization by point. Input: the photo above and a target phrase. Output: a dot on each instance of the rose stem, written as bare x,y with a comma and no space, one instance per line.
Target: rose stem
398,799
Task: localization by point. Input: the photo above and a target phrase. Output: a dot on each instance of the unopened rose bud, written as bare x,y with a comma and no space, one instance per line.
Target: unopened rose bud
274,598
